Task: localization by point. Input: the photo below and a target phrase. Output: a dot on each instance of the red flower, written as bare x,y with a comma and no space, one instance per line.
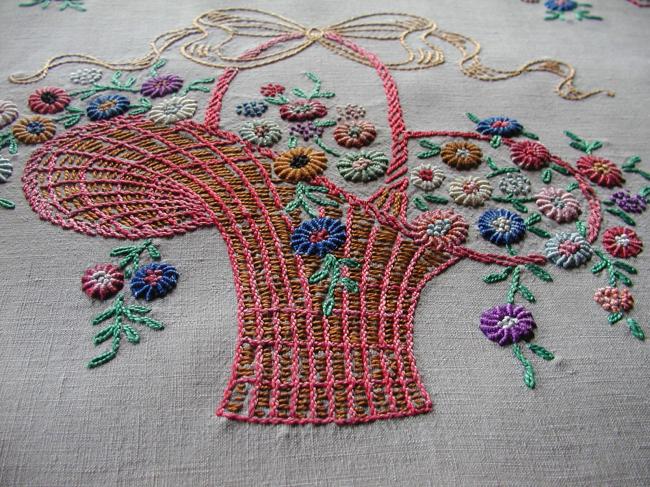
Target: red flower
614,299
622,242
529,155
272,89
600,171
48,100
102,281
302,110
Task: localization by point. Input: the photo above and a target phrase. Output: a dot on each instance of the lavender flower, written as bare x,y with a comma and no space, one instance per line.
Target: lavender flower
507,323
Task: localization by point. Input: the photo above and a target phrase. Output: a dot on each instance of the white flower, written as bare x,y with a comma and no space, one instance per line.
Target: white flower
427,177
515,185
86,76
173,110
470,190
6,169
8,113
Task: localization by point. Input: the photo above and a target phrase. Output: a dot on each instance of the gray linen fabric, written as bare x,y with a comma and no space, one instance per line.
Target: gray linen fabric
148,419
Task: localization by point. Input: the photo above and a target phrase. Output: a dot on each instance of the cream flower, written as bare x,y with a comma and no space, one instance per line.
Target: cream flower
427,177
86,76
8,113
173,110
470,190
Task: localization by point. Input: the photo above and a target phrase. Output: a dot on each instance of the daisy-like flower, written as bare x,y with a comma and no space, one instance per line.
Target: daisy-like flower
34,130
252,109
427,177
470,190
264,133
350,112
622,242
614,300
461,154
629,203
272,89
305,130
503,126
302,110
48,100
86,76
568,250
318,236
173,110
507,323
529,155
362,166
162,85
6,170
104,107
558,205
8,113
561,5
300,164
515,184
440,229
355,134
154,280
601,171
501,226
102,281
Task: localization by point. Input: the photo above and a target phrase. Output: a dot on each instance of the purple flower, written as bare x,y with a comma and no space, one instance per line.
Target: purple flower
507,323
161,85
629,203
305,130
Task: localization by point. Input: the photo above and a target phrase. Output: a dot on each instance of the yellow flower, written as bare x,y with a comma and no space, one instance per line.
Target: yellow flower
300,164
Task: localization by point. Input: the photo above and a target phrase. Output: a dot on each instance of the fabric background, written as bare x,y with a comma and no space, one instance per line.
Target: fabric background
147,419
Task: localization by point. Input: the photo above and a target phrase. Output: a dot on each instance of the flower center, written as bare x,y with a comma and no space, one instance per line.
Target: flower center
153,276
319,236
462,152
470,187
439,228
354,131
426,174
622,240
172,108
302,108
558,202
601,168
500,124
107,105
501,224
568,247
103,278
299,161
35,128
508,322
261,131
49,97
361,164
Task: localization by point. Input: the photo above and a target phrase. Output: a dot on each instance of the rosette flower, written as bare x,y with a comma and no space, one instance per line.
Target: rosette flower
302,110
173,110
162,85
154,280
568,250
501,226
470,190
461,155
601,171
33,130
300,164
529,155
515,184
503,126
264,133
561,5
440,228
102,281
362,166
614,300
507,324
630,203
622,242
558,205
318,236
104,107
355,134
427,177
48,100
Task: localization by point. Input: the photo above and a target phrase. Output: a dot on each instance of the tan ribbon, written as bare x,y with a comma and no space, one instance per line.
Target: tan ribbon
234,25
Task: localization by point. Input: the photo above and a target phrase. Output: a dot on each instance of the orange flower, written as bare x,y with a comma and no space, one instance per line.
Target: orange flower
300,164
34,130
355,134
461,155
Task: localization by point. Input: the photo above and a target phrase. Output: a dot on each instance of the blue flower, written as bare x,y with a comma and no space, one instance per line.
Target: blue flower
252,109
560,5
318,236
501,226
504,126
107,106
154,280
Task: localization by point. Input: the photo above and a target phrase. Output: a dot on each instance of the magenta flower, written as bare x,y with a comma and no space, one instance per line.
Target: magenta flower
102,281
159,86
507,323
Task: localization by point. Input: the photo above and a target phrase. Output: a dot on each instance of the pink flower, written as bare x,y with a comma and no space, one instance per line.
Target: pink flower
558,205
102,281
614,299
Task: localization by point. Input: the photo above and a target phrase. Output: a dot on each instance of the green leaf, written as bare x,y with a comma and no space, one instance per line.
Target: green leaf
599,267
560,169
312,77
527,295
625,266
299,93
623,278
630,162
529,373
349,263
429,145
473,117
518,206
495,141
533,219
324,123
540,351
539,272
637,331
572,186
104,334
539,232
419,204
615,317
547,176
582,228
277,100
427,154
318,276
645,192
7,204
328,305
498,276
622,215
151,323
436,199
102,359
140,310
117,251
504,170
104,315
491,164
131,335
350,284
